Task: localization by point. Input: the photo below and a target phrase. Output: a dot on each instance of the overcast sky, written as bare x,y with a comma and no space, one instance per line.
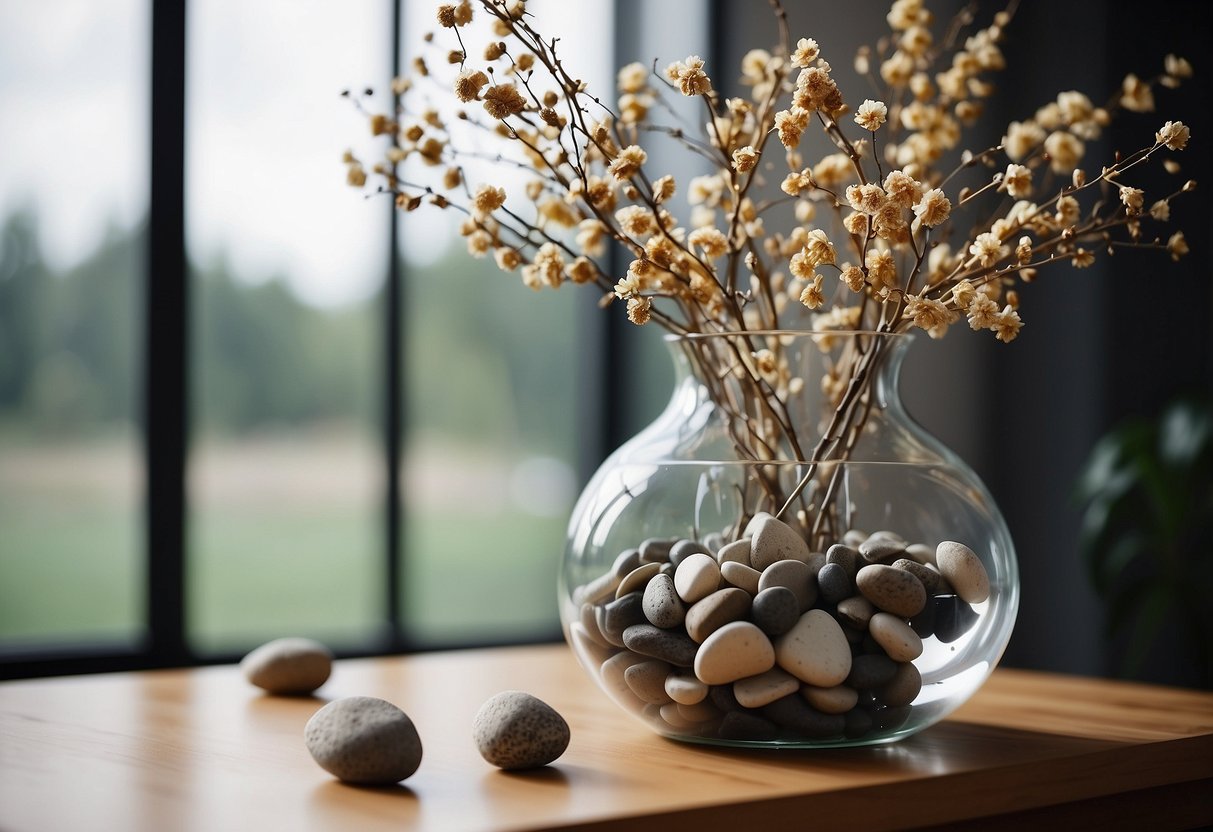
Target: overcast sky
265,127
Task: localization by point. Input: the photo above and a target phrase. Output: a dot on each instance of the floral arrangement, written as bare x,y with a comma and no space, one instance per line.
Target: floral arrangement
895,228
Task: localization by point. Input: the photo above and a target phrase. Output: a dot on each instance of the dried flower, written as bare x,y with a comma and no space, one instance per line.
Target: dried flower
486,200
1177,245
1174,134
871,114
745,159
806,53
812,296
640,310
933,209
503,100
691,78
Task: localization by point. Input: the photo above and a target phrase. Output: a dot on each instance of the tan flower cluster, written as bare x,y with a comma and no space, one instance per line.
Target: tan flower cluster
894,228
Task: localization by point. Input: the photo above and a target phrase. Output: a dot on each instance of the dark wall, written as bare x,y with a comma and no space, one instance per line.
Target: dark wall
1119,339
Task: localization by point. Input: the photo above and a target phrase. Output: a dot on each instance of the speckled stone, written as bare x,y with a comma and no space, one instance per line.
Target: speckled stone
895,637
662,606
774,540
627,560
932,581
647,680
764,688
290,666
668,645
775,610
721,607
696,578
892,590
880,547
795,575
735,651
921,552
683,549
846,557
738,551
685,689
515,730
963,570
815,650
834,584
856,611
361,739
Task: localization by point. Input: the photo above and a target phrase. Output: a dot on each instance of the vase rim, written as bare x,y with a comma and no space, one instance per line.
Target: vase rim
782,333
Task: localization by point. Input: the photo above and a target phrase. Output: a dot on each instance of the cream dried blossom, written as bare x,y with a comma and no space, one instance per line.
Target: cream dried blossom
1067,211
1177,245
982,311
506,258
1161,210
1006,325
963,294
1177,67
933,209
469,83
807,51
871,114
1021,139
853,277
790,124
882,269
927,313
632,78
711,241
745,159
548,266
866,199
1065,151
1174,134
1132,198
581,270
812,296
986,248
1017,181
503,100
819,250
902,189
636,220
486,200
1081,258
640,310
1136,95
691,78
628,163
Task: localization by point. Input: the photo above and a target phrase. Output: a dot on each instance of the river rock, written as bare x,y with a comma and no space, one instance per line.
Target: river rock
589,623
361,739
903,688
613,672
647,681
815,650
290,666
775,610
683,549
736,650
834,584
655,550
666,645
796,576
931,580
853,538
871,671
662,606
858,723
892,590
741,726
620,614
737,552
515,730
794,713
846,557
836,700
685,689
880,548
627,560
856,611
765,688
636,580
741,576
963,570
773,540
895,637
921,553
696,578
953,618
721,607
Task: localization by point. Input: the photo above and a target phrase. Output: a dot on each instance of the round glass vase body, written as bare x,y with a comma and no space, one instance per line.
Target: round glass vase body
762,565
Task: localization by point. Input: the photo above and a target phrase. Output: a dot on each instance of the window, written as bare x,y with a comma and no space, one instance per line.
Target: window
275,411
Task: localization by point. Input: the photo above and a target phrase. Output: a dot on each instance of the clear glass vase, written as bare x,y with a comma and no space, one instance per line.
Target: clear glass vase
784,557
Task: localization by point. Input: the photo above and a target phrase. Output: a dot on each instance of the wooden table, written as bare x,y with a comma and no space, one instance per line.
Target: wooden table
202,750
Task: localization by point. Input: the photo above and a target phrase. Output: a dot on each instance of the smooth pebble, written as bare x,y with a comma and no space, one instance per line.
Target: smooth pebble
765,688
896,637
932,581
775,610
685,688
903,688
720,608
647,681
667,645
736,650
741,576
893,590
836,700
774,540
737,552
635,580
963,570
515,730
796,576
364,740
696,577
834,583
662,606
856,611
291,666
815,650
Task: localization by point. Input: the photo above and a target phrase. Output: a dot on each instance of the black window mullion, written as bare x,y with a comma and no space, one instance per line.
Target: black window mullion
166,322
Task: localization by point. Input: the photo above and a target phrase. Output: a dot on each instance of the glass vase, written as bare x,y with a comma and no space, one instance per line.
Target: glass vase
784,557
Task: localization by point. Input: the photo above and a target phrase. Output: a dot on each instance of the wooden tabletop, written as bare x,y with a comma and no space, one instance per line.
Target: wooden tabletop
202,750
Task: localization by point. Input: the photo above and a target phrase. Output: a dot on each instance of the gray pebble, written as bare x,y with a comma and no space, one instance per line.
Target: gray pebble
846,557
796,575
953,618
361,739
647,681
627,561
723,606
683,549
834,583
853,538
924,622
655,550
893,590
871,671
667,645
932,581
288,666
514,730
775,610
620,614
879,548
890,719
722,697
794,713
856,611
903,688
713,541
662,606
738,725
